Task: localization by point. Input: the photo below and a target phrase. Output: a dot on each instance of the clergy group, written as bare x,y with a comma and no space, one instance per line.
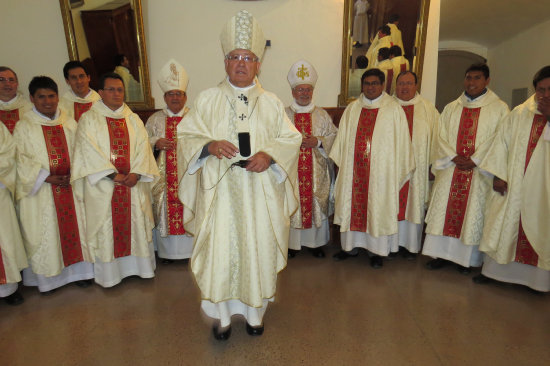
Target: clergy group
239,184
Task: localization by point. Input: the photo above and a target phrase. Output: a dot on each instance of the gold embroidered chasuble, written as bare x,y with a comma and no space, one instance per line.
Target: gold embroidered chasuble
12,252
72,103
391,164
92,157
425,120
506,159
323,171
47,249
240,219
491,111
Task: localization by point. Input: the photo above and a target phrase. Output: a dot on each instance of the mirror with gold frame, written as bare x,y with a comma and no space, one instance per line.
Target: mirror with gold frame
100,33
413,24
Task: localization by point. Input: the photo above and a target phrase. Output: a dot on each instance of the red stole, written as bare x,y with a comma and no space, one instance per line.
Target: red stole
80,108
524,251
302,121
389,81
10,118
121,202
175,207
361,169
3,280
404,192
60,164
462,179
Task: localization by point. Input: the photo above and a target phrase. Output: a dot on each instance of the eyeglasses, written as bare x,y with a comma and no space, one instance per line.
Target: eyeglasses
304,90
8,80
175,94
245,58
374,83
112,90
405,83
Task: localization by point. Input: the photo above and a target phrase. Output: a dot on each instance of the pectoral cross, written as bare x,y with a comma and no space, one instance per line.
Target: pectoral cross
242,117
243,98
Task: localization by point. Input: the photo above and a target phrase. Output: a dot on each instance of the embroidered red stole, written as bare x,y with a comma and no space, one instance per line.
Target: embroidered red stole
175,207
80,108
389,81
404,192
302,121
60,164
10,118
524,251
361,169
121,202
462,179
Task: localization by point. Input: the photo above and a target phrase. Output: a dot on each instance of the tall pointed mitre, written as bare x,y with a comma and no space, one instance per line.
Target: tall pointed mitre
302,72
243,32
173,77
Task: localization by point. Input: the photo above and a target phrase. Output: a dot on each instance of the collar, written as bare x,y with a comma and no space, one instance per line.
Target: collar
369,101
11,101
472,99
85,97
412,101
56,116
169,113
242,90
302,108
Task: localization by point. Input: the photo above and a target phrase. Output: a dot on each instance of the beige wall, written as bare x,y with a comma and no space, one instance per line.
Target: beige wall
34,43
514,62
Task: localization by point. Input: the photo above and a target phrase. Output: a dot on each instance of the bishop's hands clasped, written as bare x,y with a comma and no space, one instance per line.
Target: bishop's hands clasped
258,162
309,141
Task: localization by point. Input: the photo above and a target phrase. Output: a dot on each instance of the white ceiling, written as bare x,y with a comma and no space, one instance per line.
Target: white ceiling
490,22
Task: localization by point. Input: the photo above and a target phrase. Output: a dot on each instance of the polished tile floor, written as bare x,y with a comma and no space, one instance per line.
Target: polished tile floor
326,313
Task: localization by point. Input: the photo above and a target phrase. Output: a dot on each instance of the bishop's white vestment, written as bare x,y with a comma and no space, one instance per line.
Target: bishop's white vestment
457,207
169,236
75,106
517,154
240,219
422,118
119,219
52,217
374,156
309,226
12,252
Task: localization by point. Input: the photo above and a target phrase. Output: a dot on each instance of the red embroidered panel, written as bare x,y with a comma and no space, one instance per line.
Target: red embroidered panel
462,179
361,169
524,251
3,279
404,191
121,202
80,108
10,118
60,164
389,81
175,207
302,121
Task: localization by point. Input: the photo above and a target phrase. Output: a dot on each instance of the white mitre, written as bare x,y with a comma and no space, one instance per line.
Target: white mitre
173,77
302,72
243,32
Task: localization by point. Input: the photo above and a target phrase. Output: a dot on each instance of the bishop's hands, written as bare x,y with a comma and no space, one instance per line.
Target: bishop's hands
59,180
164,144
258,162
463,163
500,186
309,141
222,148
129,180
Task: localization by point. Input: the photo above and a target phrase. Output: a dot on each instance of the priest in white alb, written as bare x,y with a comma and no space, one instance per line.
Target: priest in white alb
169,236
81,97
13,105
239,162
309,225
516,235
457,207
12,252
374,155
50,209
115,164
422,118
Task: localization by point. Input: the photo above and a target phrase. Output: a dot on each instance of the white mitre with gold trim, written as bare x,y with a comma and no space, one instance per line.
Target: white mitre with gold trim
173,77
243,32
302,72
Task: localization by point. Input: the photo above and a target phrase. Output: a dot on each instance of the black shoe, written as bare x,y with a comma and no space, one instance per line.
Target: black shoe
408,255
317,252
481,279
167,261
392,256
84,283
292,253
48,293
254,331
437,263
14,299
342,255
223,336
463,270
376,262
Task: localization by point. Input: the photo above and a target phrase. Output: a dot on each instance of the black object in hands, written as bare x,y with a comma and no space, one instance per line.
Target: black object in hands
244,144
241,163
